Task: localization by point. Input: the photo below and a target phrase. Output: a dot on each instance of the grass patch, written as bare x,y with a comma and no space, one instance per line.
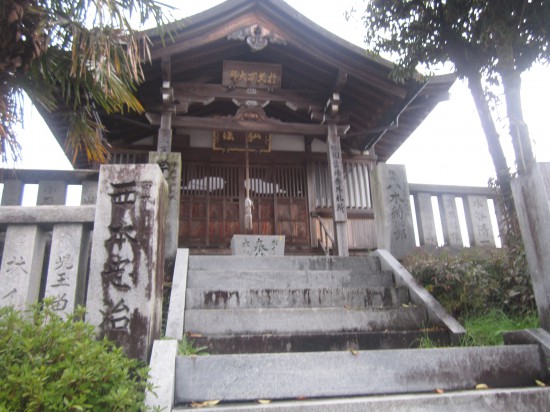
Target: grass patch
488,329
187,347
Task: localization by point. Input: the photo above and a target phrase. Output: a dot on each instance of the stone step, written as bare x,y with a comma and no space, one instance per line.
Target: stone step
352,298
491,400
285,279
319,342
340,374
238,263
300,320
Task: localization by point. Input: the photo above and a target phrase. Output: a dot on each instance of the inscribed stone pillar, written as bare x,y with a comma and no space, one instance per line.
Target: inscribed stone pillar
425,219
392,209
170,164
21,268
126,269
336,169
51,192
66,278
531,193
452,235
478,220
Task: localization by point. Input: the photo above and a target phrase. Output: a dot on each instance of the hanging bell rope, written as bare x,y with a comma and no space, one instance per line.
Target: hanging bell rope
248,205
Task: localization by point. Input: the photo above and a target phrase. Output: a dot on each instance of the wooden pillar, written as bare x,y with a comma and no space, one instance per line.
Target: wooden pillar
164,142
336,168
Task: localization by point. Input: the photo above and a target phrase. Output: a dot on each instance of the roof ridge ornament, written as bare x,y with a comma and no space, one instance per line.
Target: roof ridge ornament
256,36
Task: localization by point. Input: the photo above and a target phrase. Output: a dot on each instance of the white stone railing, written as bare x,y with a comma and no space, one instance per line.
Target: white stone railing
461,215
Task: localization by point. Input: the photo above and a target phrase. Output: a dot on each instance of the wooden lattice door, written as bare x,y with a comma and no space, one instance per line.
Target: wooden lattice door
212,203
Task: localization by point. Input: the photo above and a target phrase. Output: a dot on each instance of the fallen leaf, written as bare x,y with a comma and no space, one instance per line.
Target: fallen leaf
204,404
194,335
354,352
440,391
481,386
301,398
347,307
539,383
264,401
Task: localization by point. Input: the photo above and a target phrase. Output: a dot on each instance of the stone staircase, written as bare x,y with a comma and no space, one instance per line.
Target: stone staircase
318,333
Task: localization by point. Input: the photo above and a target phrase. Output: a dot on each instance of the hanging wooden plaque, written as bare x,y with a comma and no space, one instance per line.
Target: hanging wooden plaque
228,141
252,75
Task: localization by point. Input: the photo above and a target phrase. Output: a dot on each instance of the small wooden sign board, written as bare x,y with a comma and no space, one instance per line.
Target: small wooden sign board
252,75
229,141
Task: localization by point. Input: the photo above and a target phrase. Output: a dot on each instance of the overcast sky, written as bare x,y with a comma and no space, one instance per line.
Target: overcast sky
448,148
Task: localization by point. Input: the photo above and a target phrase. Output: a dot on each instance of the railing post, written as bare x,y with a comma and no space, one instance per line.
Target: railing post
51,192
66,279
449,221
392,209
425,219
21,268
12,195
126,270
478,221
170,164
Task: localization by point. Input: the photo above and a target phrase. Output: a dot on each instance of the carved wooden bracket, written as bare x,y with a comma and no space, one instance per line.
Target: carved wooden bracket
257,37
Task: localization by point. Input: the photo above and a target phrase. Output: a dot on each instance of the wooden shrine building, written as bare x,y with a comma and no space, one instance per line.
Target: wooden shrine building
315,112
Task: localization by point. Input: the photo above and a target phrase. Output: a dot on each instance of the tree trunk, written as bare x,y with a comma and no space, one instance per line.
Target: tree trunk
492,137
519,132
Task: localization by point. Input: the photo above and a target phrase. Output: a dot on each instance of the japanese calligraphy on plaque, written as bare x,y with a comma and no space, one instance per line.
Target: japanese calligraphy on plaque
228,141
251,75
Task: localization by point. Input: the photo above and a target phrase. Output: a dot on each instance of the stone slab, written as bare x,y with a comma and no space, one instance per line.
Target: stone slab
363,264
536,336
176,310
319,342
353,298
258,245
66,279
21,269
298,320
492,400
124,299
162,375
327,374
392,209
46,214
437,314
274,279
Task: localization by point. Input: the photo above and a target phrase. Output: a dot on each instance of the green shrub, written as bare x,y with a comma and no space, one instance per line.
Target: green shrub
475,281
51,364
